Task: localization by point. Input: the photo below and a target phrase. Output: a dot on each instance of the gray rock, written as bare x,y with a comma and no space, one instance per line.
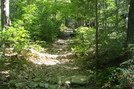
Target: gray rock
77,80
46,85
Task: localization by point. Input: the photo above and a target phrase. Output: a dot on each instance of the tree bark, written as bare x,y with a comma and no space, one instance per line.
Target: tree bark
5,21
130,31
97,30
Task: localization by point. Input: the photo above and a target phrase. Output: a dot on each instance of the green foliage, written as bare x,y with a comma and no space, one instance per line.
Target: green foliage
84,41
116,78
15,37
63,27
105,76
40,27
111,47
44,20
37,19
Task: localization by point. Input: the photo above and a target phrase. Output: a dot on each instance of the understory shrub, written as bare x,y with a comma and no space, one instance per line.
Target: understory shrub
117,78
18,45
15,37
111,46
84,42
37,19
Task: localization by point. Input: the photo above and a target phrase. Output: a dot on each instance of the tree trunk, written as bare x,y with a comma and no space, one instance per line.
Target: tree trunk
5,21
130,31
53,12
96,36
117,14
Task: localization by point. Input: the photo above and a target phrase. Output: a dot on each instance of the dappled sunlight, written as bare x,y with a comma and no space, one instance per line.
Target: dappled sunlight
48,59
4,72
67,44
57,54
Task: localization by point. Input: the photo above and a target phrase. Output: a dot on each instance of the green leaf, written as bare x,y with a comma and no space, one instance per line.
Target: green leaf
41,84
37,79
20,84
12,82
32,84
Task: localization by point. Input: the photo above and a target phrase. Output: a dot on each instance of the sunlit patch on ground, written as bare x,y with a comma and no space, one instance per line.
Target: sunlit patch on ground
57,57
49,59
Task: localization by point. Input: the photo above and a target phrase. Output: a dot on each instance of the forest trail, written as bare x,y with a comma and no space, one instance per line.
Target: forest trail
53,69
59,66
57,53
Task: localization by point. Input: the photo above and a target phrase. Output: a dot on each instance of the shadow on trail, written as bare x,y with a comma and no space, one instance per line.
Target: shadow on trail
54,69
58,76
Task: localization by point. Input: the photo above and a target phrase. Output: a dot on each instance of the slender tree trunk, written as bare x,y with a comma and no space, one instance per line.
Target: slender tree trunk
5,21
96,37
117,14
130,31
54,13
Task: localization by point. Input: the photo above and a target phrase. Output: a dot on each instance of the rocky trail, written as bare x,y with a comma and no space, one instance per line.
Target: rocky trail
54,69
57,53
60,69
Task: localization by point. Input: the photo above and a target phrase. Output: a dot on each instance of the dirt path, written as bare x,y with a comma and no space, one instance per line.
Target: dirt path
53,69
58,53
55,66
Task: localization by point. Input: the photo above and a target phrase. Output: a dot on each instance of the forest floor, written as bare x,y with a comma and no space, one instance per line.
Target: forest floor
53,69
